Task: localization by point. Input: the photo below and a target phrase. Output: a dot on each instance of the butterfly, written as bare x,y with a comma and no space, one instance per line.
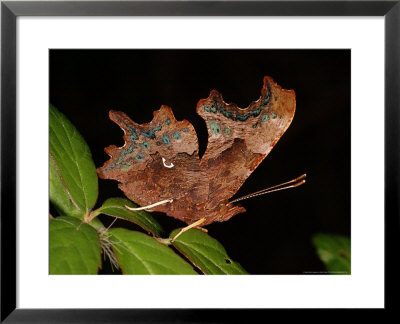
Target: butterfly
159,165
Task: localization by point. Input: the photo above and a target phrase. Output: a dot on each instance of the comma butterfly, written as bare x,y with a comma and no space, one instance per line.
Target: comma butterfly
159,166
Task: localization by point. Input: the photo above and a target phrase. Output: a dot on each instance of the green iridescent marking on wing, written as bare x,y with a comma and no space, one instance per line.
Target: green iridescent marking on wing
151,133
265,117
125,166
130,150
224,112
215,128
139,157
134,136
177,135
145,145
166,139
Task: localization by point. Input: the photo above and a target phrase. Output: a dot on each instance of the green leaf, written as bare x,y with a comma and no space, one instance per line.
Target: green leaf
116,207
334,251
73,177
60,197
205,252
138,253
74,247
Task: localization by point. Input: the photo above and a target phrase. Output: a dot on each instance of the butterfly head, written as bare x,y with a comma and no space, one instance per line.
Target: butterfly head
225,210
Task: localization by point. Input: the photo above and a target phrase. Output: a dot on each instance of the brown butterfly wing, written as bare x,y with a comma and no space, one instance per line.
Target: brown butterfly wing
144,176
239,139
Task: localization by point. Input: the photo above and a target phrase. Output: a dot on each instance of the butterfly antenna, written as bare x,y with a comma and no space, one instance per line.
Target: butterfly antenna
151,206
286,185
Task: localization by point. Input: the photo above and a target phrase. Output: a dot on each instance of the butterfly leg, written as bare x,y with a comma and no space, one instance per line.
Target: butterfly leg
183,230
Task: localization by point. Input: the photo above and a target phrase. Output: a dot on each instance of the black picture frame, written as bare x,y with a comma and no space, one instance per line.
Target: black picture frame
10,10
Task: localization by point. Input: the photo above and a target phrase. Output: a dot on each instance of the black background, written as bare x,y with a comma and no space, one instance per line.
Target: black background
274,235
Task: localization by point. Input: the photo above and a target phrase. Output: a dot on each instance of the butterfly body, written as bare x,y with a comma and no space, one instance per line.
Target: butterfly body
160,160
